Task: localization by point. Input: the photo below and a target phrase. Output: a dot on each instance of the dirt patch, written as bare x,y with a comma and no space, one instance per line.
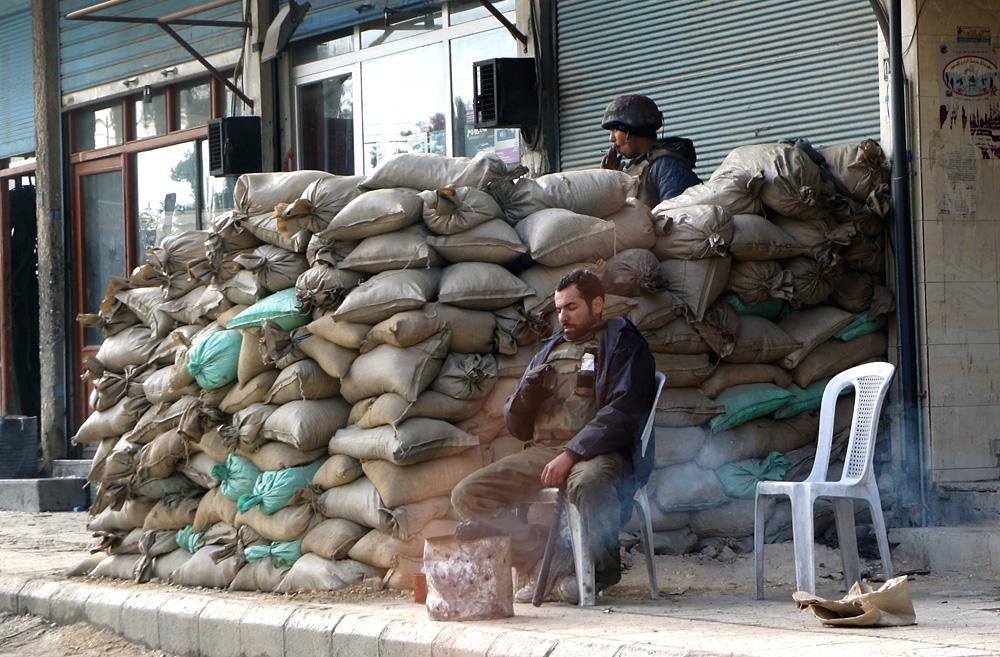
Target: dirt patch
30,636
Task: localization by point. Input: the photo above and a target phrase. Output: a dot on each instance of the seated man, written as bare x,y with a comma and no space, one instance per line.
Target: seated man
580,407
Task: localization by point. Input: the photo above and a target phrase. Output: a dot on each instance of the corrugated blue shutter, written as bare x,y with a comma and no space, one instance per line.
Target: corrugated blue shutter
93,53
17,100
724,74
330,15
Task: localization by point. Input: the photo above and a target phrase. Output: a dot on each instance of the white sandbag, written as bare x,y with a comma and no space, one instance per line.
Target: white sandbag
260,192
451,210
480,286
431,171
376,212
264,226
594,192
556,236
493,241
388,293
412,441
406,372
319,203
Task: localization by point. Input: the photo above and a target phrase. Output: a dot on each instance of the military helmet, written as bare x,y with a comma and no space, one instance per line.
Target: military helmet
633,112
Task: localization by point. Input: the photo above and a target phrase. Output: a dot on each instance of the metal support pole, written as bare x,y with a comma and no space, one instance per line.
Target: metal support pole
908,373
216,73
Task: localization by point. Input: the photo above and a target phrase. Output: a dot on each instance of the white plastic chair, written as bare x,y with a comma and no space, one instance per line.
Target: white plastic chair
582,560
871,382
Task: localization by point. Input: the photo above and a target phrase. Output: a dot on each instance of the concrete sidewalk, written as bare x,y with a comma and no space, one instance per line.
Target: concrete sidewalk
957,623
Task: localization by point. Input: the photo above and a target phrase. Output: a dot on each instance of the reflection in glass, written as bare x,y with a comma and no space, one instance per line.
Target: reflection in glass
167,185
468,139
327,125
97,127
315,51
463,11
217,193
103,240
405,99
194,102
151,117
402,24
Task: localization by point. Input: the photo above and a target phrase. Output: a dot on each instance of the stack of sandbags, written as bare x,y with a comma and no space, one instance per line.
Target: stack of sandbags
747,363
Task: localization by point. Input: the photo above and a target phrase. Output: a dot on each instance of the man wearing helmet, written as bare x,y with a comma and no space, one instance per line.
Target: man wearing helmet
664,166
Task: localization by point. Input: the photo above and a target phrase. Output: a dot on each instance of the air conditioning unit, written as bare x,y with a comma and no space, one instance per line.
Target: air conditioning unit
234,146
506,94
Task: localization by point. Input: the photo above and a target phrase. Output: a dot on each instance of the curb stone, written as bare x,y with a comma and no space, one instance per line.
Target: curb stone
309,632
263,631
178,624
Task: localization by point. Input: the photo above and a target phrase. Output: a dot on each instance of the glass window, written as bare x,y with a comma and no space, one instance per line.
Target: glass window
194,104
151,115
166,194
405,99
402,24
468,139
315,51
327,125
216,193
103,240
98,127
463,11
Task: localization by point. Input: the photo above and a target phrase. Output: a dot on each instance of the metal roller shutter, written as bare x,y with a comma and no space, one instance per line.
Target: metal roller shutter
724,74
17,100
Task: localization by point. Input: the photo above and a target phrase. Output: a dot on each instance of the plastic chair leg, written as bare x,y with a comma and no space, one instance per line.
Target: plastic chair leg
758,546
582,560
646,526
843,508
878,520
803,536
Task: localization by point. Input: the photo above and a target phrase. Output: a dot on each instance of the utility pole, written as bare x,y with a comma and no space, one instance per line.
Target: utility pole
49,217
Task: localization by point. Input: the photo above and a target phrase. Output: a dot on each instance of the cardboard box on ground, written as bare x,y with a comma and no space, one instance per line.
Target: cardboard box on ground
285,400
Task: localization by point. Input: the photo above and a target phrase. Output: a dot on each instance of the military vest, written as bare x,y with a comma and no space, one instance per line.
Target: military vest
571,405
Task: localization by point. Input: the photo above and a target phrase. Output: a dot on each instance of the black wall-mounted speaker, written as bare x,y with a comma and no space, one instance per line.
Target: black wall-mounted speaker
234,146
506,94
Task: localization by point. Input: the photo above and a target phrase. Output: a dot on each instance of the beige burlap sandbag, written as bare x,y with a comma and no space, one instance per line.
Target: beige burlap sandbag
472,331
735,189
699,231
480,286
115,421
323,287
631,273
452,210
676,337
260,192
240,396
212,444
331,358
720,328
734,519
755,440
337,471
202,569
409,520
198,468
557,237
261,575
392,409
685,407
758,238
859,168
145,303
761,341
432,171
486,429
544,280
683,370
320,202
287,524
303,380
276,455
274,268
400,249
413,441
758,281
493,407
131,515
728,375
854,291
348,335
698,283
157,388
328,253
382,550
405,329
332,539
172,514
494,241
398,485
834,356
811,281
244,429
131,347
314,573
388,293
306,425
214,508
633,226
793,183
812,327
251,362
466,376
116,566
406,372
159,458
373,213
595,192
866,254
685,487
357,501
677,444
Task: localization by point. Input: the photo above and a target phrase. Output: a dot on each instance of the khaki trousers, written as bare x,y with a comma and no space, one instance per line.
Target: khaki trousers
487,495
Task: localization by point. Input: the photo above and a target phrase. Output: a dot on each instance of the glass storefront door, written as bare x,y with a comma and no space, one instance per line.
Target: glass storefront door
326,124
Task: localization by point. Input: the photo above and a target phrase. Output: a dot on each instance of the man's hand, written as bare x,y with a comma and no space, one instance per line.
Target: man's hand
538,386
555,471
613,159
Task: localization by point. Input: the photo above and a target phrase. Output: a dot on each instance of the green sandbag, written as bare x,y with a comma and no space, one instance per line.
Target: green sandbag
212,360
190,540
740,479
772,309
806,399
747,402
275,488
281,307
237,476
282,554
862,325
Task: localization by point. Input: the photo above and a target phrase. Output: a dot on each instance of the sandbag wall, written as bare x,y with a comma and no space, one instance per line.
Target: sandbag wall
285,401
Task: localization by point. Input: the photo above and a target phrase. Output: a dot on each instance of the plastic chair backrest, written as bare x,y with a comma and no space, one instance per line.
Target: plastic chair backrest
648,429
871,382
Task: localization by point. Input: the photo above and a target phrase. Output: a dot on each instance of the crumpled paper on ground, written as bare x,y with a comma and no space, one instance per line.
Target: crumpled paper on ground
889,606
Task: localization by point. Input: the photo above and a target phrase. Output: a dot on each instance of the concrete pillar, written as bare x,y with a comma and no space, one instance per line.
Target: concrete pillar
52,275
259,83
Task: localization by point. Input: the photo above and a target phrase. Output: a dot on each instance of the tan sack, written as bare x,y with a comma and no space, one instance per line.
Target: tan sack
388,293
276,455
331,358
348,335
357,501
402,249
758,238
130,347
202,569
333,538
406,372
398,485
480,286
812,327
676,337
254,391
472,331
451,210
373,213
556,236
337,471
320,202
793,184
633,226
685,407
413,441
736,190
314,573
274,268
214,508
115,421
595,192
466,376
683,371
859,168
172,514
405,329
758,281
246,425
834,356
260,192
631,273
302,380
729,375
698,283
287,524
392,409
699,231
432,171
306,425
323,287
494,241
761,341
